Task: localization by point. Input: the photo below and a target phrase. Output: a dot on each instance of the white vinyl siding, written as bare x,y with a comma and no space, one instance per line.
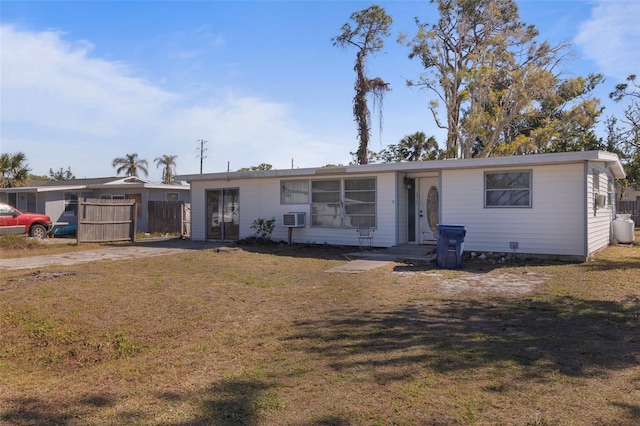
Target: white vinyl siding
260,198
553,225
598,219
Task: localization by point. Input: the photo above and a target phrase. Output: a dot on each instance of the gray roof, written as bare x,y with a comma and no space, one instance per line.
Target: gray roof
609,159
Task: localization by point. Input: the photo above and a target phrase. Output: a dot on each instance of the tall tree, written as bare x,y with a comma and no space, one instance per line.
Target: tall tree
130,164
627,137
491,74
371,25
630,91
168,163
61,174
261,166
14,170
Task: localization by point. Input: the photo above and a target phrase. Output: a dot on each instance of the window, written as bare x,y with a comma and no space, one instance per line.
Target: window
171,196
6,211
70,204
360,202
343,203
596,181
507,189
326,205
294,192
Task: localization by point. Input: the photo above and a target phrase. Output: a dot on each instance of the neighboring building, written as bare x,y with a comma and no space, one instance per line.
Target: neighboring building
545,204
59,199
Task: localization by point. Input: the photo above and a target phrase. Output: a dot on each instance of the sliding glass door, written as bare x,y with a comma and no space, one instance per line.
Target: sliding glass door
223,214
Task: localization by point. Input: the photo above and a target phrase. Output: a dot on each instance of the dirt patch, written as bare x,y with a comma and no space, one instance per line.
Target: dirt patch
505,284
495,282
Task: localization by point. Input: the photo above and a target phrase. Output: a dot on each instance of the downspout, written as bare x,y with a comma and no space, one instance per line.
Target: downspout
585,194
397,208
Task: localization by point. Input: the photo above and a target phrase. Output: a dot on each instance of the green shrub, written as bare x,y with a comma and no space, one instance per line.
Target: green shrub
264,228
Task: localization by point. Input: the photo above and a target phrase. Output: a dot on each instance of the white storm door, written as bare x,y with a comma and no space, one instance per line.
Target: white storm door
429,210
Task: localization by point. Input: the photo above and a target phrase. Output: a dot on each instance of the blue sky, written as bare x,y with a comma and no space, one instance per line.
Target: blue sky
83,82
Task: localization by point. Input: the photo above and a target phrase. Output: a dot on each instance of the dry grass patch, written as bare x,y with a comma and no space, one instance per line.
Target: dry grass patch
269,338
13,246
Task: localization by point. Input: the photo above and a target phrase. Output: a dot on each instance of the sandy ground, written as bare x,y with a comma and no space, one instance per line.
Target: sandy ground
154,248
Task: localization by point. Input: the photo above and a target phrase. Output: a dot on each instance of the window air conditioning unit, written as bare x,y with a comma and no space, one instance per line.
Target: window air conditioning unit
294,219
601,201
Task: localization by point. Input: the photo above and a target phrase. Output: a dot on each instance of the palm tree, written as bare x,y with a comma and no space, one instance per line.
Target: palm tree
417,146
130,164
168,163
14,172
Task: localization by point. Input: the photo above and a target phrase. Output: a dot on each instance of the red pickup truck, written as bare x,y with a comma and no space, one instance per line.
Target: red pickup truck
36,225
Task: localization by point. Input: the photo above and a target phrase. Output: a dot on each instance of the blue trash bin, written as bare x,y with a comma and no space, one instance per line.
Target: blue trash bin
450,246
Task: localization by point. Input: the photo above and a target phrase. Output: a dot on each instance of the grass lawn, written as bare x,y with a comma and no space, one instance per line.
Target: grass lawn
265,336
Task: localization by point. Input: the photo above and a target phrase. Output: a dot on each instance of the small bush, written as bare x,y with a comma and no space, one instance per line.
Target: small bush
264,228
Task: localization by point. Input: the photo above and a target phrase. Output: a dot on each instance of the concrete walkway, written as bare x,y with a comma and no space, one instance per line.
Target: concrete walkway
359,265
367,260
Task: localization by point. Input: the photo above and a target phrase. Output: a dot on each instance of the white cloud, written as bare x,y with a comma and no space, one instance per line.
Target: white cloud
611,38
63,107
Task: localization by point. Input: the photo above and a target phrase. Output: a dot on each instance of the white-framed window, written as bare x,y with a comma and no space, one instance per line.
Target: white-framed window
360,202
507,188
117,197
343,203
294,192
171,196
105,196
326,204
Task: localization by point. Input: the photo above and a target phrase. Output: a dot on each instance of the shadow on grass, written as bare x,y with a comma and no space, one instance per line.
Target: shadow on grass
567,336
626,263
235,402
36,411
230,402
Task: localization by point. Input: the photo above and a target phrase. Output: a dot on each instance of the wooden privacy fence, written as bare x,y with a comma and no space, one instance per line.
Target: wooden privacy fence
169,217
629,207
106,220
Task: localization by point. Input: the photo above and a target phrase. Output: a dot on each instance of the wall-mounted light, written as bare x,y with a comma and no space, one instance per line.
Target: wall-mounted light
408,183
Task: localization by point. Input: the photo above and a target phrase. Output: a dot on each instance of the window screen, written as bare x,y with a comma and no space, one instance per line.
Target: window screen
508,189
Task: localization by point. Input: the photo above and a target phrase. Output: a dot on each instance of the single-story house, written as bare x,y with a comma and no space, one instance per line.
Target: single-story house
560,205
59,199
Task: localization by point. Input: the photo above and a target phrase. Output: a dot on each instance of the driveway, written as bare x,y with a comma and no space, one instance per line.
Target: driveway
146,249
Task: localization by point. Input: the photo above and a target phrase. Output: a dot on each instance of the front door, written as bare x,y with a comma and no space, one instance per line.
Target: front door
429,210
223,214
